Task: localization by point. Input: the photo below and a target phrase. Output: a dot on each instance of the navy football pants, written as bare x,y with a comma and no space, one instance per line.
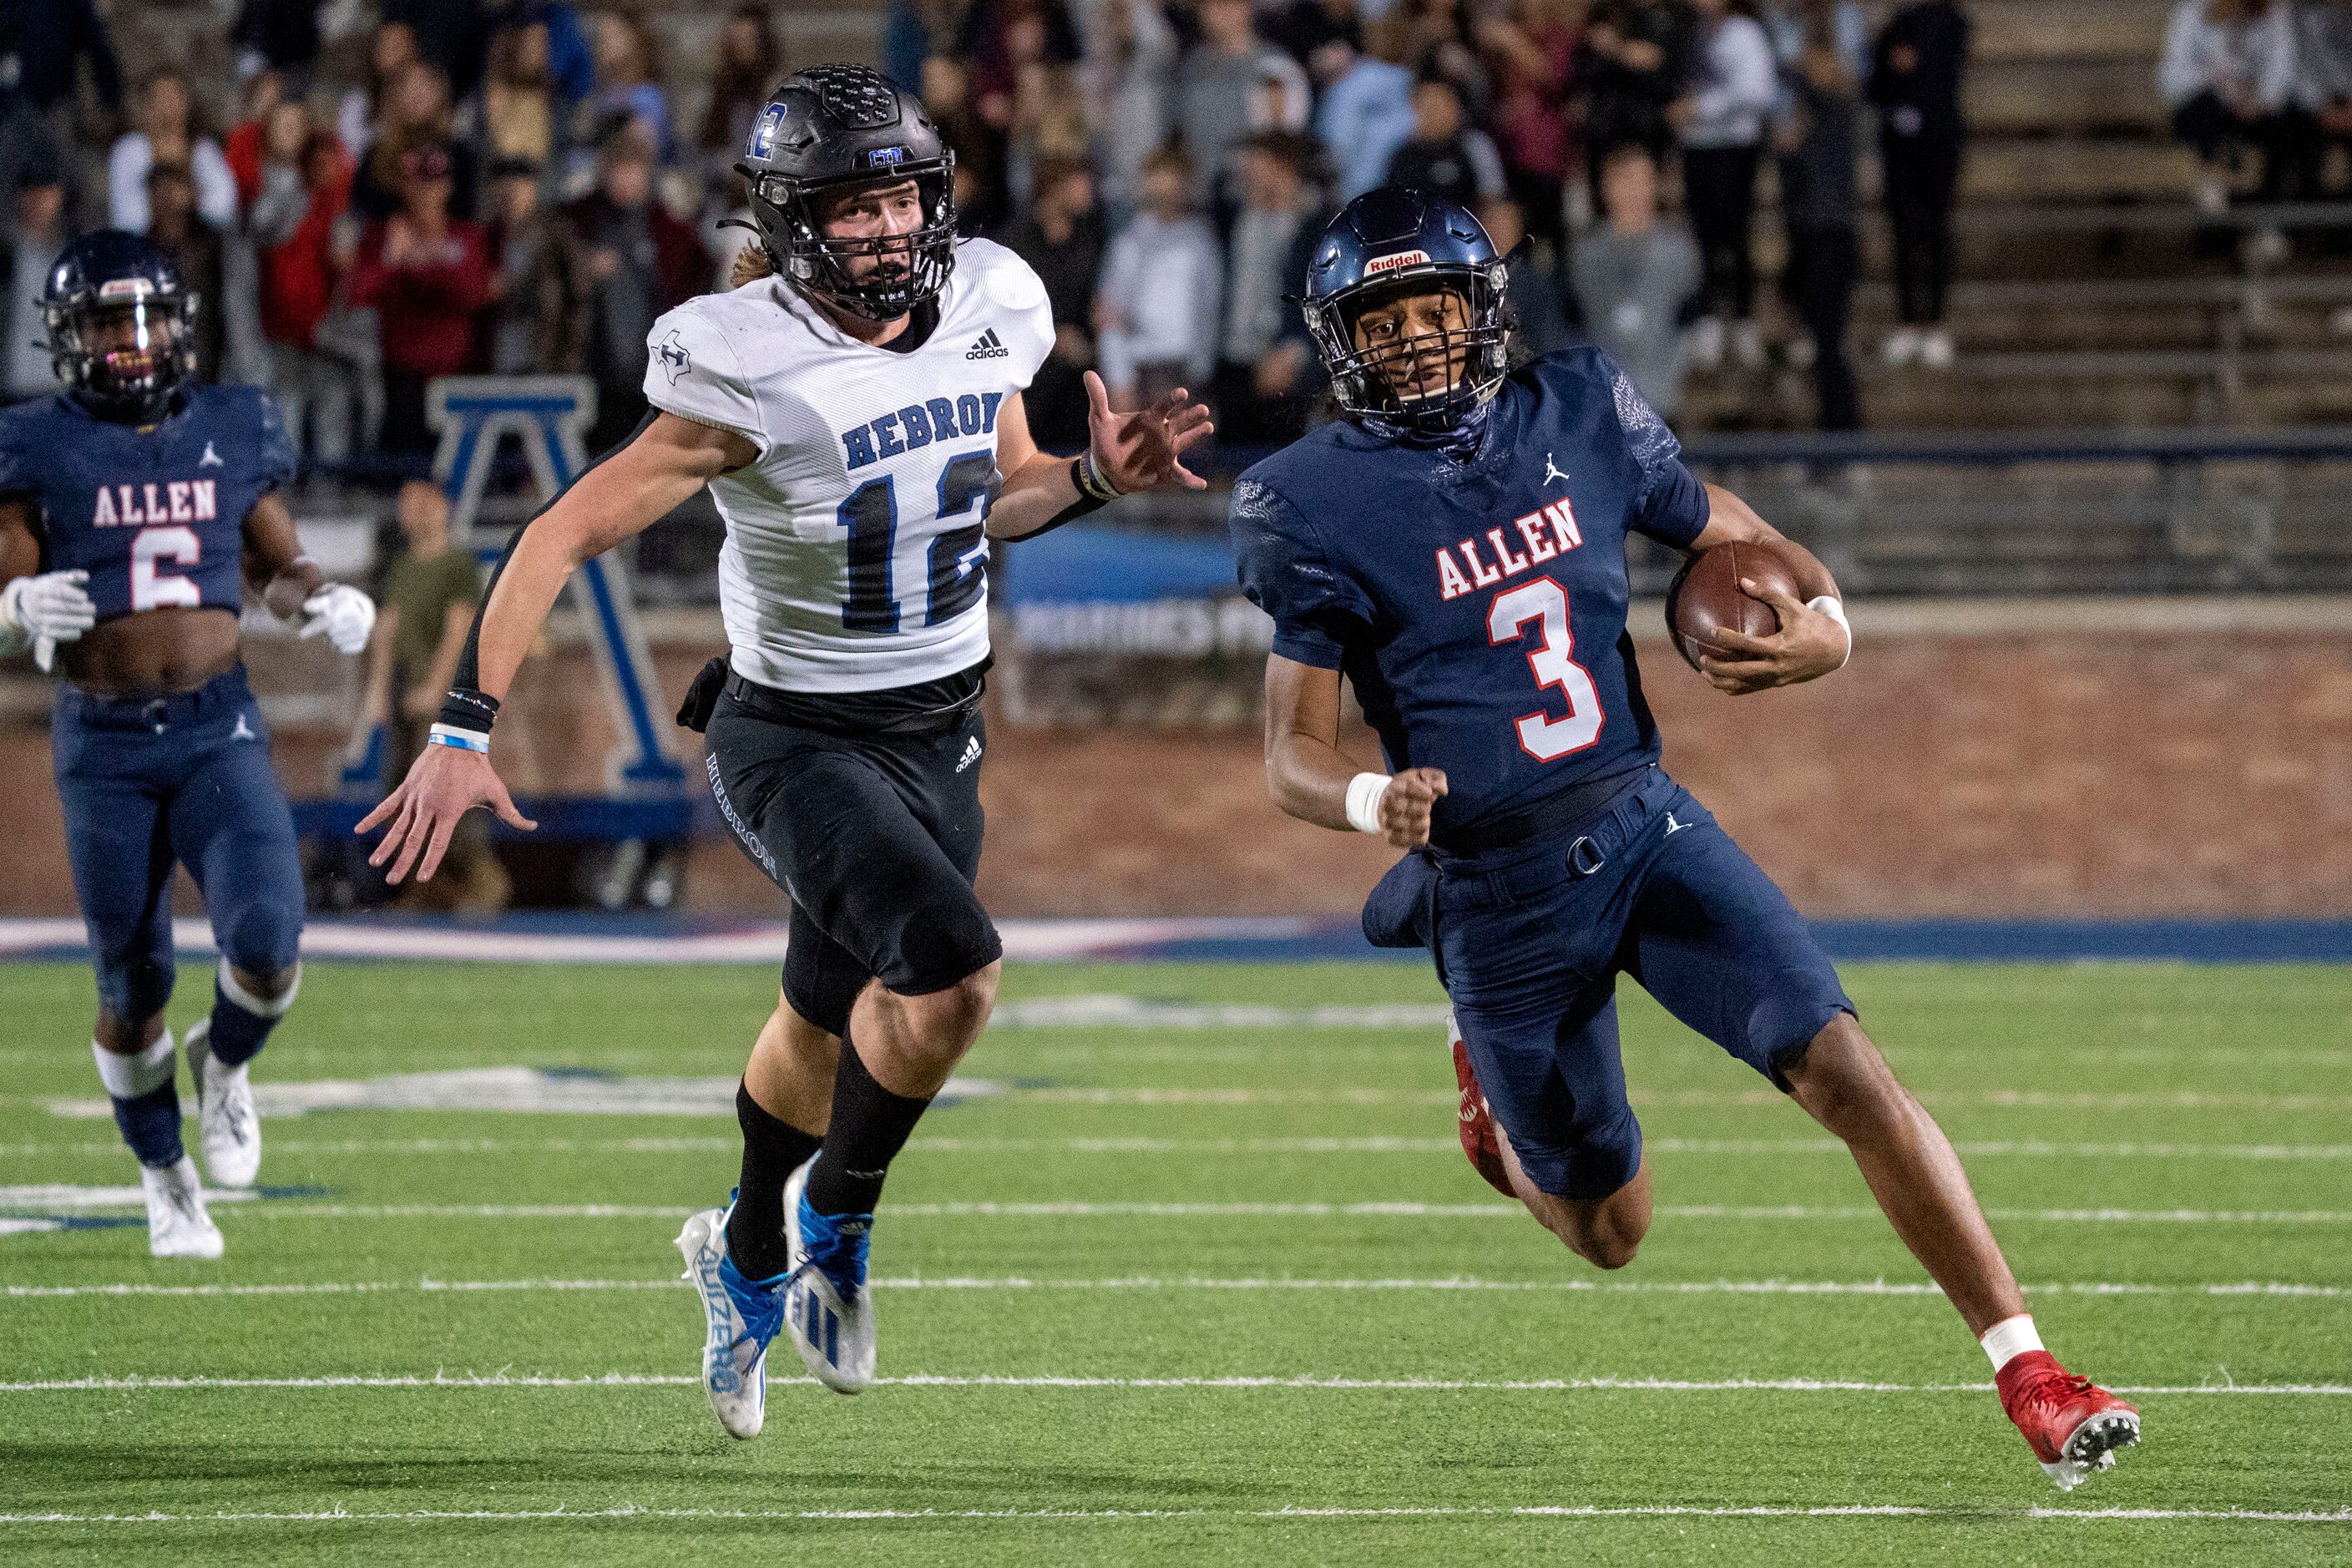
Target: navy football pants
183,778
1530,943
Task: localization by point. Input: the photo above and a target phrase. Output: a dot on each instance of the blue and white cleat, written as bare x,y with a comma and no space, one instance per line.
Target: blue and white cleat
827,1303
742,1315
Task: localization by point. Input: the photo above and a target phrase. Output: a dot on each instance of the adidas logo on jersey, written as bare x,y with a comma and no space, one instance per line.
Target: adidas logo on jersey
988,346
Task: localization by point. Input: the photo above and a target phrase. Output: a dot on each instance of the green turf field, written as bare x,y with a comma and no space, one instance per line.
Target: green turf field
1131,1310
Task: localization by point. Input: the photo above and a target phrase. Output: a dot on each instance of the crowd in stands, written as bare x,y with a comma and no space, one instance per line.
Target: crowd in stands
509,186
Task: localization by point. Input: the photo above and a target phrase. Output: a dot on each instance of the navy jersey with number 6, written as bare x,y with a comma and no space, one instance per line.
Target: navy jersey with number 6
155,516
1477,602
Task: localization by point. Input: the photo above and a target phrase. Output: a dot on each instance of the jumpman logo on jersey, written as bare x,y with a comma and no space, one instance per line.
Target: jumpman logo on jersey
211,459
1552,473
244,731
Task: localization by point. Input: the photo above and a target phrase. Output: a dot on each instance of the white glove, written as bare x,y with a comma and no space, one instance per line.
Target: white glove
345,614
45,611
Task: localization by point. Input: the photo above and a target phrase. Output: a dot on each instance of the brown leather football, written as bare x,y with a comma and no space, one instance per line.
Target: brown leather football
1706,597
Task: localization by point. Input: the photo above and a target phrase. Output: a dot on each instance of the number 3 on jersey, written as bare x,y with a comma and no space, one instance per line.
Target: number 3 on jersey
1544,738
958,560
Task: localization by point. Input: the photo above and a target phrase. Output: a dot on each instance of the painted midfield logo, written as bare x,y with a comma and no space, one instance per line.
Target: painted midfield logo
671,352
988,346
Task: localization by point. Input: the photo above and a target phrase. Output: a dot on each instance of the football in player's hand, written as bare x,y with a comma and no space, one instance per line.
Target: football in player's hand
1707,599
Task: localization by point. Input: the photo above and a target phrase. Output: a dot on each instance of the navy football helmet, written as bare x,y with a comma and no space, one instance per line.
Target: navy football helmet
1391,242
121,328
831,126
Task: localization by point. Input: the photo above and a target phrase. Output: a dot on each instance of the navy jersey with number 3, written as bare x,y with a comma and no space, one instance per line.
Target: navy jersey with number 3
1477,604
154,515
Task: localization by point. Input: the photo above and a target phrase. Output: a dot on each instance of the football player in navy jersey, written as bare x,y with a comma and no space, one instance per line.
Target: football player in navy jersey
1456,548
136,508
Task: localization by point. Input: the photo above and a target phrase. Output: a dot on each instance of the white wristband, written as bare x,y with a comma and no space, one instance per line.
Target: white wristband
1835,610
1364,792
461,739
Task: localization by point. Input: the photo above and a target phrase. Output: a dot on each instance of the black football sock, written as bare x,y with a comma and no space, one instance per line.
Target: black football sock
870,1125
772,1150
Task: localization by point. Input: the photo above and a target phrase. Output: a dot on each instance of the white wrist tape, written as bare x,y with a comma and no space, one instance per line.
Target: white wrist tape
462,739
1364,792
1835,610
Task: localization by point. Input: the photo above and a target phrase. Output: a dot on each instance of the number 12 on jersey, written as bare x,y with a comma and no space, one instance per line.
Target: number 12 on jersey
1542,737
958,559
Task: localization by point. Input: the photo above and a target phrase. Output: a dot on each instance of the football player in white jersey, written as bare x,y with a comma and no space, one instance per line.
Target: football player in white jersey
857,417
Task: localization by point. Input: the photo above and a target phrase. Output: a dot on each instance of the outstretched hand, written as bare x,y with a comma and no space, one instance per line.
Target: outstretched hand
443,784
1808,646
1145,450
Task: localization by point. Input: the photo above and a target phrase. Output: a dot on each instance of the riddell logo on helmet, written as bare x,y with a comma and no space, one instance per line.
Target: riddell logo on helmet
1379,264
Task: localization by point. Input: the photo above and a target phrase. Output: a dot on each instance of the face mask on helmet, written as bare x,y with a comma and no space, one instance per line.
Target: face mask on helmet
876,249
1424,351
125,356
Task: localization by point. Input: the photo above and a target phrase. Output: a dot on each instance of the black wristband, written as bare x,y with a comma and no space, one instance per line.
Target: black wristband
466,709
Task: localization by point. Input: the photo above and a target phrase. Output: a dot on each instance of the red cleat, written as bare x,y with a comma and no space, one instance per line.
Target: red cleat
1477,1123
2074,1425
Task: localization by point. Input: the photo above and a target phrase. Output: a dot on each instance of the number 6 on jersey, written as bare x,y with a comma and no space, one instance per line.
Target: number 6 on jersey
1541,737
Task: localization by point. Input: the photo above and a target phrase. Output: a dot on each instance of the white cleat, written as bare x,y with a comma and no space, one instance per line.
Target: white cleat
178,1224
741,1318
230,1126
833,1329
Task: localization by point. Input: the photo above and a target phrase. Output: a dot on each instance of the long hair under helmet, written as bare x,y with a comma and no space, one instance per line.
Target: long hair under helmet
112,272
831,126
1393,241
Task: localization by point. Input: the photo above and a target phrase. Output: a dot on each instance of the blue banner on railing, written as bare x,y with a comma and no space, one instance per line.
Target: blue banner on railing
1107,590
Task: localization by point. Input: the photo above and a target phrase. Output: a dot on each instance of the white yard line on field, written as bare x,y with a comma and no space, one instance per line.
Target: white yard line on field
2233,1289
1293,1512
611,1380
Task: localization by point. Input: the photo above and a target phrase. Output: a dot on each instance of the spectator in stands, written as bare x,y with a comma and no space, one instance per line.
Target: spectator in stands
295,230
1366,112
1446,157
216,267
535,285
750,67
1818,138
519,111
979,147
1915,80
430,590
1229,84
1062,238
264,95
1734,88
168,133
1156,313
1048,118
36,238
1635,275
1537,307
1130,53
453,36
1440,41
50,43
280,36
2230,75
629,80
1260,390
392,50
2323,52
1636,61
427,273
1303,26
630,260
416,116
1534,57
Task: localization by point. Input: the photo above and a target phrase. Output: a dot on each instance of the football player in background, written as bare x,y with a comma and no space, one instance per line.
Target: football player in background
136,508
857,417
1455,547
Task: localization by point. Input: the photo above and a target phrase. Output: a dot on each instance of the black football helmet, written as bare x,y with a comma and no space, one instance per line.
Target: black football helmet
831,126
104,280
1393,241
